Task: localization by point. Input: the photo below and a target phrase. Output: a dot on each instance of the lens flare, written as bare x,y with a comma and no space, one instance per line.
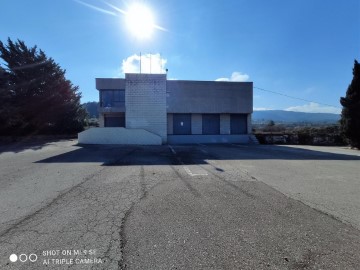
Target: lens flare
140,21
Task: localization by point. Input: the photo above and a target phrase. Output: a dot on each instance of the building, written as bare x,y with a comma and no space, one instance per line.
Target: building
149,109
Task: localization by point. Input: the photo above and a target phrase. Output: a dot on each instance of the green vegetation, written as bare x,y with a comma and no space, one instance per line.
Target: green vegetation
350,115
92,114
299,134
35,96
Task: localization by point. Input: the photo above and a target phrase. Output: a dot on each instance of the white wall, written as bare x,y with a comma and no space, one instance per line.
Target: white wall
101,120
225,123
196,123
170,123
249,124
114,135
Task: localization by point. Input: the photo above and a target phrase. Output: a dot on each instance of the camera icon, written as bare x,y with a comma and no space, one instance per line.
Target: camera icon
23,257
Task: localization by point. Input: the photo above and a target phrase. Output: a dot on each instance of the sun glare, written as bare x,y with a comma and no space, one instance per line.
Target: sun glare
140,21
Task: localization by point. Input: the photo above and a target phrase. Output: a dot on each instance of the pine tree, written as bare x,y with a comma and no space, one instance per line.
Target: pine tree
350,115
41,100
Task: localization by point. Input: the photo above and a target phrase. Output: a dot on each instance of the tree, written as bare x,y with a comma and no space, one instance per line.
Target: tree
271,123
38,97
350,115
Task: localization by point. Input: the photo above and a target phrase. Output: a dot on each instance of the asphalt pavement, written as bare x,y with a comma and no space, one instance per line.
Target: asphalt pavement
66,206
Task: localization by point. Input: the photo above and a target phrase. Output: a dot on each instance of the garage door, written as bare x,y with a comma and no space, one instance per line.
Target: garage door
211,124
114,121
238,123
181,124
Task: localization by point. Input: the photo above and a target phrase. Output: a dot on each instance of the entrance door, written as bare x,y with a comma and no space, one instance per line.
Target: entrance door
182,124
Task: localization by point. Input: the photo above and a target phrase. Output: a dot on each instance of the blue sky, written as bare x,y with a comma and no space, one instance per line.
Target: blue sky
300,48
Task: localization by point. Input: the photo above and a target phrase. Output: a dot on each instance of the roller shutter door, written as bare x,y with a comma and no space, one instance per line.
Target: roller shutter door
238,123
181,124
210,124
114,121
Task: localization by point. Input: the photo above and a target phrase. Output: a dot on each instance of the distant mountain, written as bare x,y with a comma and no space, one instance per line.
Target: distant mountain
92,109
294,117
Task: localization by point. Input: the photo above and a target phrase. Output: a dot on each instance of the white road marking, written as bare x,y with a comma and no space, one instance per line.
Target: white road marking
202,150
187,170
193,174
172,150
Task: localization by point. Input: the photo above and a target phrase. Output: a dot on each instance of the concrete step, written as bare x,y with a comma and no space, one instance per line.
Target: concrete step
253,140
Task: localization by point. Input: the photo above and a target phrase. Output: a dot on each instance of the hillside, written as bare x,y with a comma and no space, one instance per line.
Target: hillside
293,117
92,109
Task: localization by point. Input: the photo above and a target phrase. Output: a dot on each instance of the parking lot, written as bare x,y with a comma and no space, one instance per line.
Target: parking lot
179,206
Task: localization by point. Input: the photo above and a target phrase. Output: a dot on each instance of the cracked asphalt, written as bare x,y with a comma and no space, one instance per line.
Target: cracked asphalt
65,206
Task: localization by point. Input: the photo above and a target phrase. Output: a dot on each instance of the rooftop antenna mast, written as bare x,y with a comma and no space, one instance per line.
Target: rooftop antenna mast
161,64
140,62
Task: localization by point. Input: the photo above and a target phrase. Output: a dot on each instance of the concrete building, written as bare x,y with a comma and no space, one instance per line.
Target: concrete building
149,109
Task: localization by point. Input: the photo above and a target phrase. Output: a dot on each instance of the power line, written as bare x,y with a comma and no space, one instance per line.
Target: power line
307,100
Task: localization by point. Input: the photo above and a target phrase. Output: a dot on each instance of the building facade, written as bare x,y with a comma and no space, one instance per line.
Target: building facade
177,111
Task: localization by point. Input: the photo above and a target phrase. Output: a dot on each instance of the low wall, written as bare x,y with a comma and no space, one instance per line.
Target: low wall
117,135
190,139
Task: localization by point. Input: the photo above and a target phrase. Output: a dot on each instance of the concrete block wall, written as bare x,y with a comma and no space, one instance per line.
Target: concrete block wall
196,123
145,101
225,123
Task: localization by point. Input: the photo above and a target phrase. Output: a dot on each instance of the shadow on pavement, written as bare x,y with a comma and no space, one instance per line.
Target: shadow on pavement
114,155
28,143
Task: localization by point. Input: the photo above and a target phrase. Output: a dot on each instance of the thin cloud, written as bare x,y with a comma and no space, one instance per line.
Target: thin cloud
96,8
160,28
150,63
313,107
262,109
116,8
236,76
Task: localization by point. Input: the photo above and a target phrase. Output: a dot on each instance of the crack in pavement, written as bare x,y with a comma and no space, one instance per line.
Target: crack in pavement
52,202
99,226
22,220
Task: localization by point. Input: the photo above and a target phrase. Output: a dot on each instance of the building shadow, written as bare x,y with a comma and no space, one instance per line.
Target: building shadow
114,155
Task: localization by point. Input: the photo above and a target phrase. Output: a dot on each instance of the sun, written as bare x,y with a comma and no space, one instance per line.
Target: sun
140,21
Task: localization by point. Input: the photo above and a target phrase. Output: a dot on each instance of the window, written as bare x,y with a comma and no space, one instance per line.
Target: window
112,98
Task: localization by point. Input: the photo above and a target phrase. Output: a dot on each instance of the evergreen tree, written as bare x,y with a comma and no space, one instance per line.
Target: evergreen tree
38,96
350,115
